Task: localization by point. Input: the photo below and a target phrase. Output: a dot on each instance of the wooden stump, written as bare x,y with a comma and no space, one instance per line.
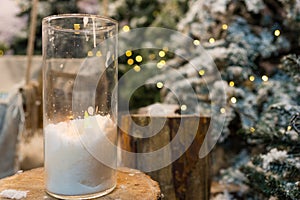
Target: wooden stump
188,177
131,185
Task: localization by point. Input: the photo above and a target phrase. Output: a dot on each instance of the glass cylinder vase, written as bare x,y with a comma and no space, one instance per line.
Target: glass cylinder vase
79,102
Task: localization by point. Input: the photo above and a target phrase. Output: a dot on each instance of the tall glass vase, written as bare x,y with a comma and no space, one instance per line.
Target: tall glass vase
79,101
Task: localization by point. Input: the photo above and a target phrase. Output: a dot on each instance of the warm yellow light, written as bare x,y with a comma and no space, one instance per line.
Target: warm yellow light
90,53
224,26
128,53
76,26
277,33
231,83
160,64
163,62
251,78
233,100
159,85
222,110
265,78
137,68
252,129
139,58
86,114
130,61
211,40
126,28
161,54
98,53
166,49
289,128
183,107
196,42
201,72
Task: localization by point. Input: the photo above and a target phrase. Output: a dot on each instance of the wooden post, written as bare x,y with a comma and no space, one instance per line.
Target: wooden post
188,177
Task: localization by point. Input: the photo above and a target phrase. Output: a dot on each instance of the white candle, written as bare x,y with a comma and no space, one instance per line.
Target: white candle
72,152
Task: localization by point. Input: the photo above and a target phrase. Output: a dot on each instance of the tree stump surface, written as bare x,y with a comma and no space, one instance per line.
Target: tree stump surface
131,185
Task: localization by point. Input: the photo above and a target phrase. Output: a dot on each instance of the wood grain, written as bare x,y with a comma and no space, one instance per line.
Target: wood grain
187,177
131,185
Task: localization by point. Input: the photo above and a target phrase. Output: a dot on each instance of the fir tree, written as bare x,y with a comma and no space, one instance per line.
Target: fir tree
251,43
45,8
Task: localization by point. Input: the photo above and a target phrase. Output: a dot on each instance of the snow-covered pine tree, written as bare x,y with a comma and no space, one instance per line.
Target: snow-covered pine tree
251,43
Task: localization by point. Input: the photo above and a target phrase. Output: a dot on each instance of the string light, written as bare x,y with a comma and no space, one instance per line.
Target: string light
196,42
251,78
159,85
86,114
139,58
76,27
252,129
166,49
211,40
90,53
98,54
128,53
231,83
126,28
201,72
130,61
161,54
277,32
183,107
137,68
160,64
233,100
224,26
222,110
265,78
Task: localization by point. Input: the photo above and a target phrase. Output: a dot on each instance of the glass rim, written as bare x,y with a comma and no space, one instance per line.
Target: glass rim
78,15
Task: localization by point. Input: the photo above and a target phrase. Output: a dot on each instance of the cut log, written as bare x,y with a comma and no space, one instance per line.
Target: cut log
131,185
184,178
